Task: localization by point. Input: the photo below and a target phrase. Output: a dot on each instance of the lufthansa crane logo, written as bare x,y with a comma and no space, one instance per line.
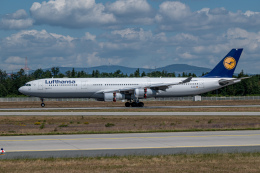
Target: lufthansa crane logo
229,63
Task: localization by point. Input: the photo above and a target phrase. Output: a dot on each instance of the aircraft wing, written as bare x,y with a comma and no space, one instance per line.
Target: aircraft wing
117,90
156,86
163,86
225,82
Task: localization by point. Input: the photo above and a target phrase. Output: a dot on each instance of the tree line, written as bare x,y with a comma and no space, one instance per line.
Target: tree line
9,84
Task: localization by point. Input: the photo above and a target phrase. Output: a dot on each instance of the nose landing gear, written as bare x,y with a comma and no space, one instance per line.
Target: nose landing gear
42,104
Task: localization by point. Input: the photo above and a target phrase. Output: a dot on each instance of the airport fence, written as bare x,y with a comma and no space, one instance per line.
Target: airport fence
32,99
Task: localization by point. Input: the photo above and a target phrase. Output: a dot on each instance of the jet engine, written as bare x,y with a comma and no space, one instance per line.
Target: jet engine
113,97
144,93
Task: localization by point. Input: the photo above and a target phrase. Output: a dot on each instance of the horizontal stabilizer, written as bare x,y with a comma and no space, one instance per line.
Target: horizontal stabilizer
224,82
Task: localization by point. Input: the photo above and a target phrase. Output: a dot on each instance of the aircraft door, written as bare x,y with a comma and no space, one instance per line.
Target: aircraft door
148,81
84,85
40,85
201,84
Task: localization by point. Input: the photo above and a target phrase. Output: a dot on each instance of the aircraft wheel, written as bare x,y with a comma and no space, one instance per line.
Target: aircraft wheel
140,104
42,104
134,104
127,104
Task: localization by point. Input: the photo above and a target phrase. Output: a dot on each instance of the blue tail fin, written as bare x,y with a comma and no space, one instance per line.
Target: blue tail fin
226,66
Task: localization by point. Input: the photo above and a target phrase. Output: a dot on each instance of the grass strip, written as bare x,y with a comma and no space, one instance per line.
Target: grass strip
127,131
228,162
53,125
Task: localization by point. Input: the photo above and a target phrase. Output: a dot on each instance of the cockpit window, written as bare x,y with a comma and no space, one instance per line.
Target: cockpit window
27,84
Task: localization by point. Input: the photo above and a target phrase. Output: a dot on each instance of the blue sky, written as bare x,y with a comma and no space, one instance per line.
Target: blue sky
132,33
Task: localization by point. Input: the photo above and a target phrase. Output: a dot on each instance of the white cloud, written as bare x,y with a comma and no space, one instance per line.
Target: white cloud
199,49
15,24
161,37
19,14
241,38
133,34
55,59
30,39
109,45
45,49
36,45
71,13
13,63
218,11
129,12
237,33
251,13
210,52
134,47
88,13
92,59
126,7
15,60
89,36
16,21
186,55
172,10
185,38
176,16
171,16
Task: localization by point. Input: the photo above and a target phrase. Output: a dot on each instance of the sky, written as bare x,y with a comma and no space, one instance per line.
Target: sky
131,33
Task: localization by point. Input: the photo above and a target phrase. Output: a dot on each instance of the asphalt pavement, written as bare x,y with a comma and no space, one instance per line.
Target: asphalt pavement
92,145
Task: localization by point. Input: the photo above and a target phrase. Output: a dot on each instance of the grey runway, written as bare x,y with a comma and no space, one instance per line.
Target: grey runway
129,144
70,113
124,108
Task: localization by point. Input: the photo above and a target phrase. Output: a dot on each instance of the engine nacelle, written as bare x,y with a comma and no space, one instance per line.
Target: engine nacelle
144,93
113,97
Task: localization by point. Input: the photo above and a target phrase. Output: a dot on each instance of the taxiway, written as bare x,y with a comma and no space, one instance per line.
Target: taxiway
129,108
72,111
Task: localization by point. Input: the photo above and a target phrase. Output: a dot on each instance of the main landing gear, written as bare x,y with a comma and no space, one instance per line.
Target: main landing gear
42,104
134,104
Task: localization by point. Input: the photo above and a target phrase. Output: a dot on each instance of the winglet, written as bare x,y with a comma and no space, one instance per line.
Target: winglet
226,66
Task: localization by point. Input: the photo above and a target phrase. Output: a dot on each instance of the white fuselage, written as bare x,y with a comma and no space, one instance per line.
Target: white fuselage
96,87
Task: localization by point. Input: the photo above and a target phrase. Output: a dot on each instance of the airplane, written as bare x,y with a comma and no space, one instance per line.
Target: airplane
133,89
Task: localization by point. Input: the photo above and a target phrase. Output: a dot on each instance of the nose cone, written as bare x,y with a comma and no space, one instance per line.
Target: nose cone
22,90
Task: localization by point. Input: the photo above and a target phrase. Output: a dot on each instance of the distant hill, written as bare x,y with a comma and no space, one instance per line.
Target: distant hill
177,68
180,68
